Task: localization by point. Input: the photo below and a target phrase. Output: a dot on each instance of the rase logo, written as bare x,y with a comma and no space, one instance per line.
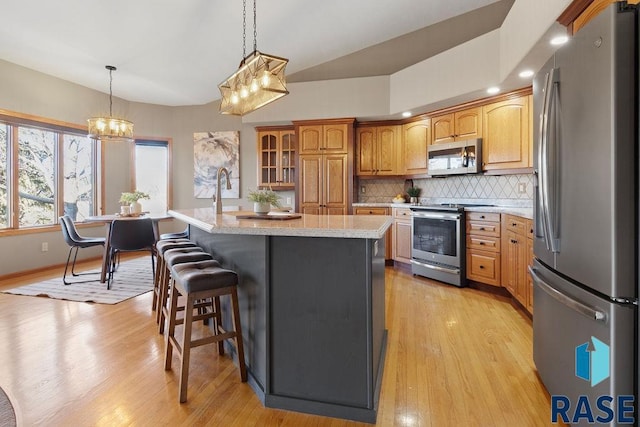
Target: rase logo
592,364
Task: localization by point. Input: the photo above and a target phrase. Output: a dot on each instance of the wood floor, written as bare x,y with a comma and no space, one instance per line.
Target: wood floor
455,357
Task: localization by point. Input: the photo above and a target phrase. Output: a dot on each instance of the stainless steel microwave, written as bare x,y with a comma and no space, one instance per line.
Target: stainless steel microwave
457,157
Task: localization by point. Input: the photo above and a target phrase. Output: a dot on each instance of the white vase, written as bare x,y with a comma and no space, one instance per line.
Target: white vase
261,208
136,208
125,210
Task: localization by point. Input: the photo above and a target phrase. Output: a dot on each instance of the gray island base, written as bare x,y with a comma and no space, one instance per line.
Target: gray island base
312,307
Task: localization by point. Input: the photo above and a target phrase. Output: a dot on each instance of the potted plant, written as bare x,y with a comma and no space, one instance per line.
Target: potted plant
132,200
414,193
263,199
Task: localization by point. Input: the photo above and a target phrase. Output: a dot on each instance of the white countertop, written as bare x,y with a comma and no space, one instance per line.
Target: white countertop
346,226
525,212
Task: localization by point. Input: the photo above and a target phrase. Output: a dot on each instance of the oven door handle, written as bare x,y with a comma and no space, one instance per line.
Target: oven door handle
434,215
436,267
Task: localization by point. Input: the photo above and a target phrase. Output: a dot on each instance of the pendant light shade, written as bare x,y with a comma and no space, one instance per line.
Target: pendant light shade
260,78
110,128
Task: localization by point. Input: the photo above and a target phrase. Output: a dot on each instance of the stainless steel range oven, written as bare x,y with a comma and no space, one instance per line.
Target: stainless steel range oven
438,243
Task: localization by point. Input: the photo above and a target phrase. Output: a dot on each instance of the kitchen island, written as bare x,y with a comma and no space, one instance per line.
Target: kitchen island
311,296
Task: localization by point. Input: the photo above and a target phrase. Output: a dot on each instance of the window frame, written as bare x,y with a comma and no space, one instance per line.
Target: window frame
132,156
14,120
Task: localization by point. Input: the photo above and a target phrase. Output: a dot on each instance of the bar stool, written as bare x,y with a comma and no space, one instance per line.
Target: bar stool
161,247
173,257
201,280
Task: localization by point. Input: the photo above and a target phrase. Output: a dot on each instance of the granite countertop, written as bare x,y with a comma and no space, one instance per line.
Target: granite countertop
335,226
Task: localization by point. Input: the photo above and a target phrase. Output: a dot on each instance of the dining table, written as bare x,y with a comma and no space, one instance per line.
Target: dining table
107,220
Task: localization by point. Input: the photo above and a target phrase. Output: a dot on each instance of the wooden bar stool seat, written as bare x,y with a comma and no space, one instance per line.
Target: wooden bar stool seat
173,257
197,281
161,247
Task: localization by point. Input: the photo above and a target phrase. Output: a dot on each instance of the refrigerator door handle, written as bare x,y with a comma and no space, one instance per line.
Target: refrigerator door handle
539,175
590,312
548,201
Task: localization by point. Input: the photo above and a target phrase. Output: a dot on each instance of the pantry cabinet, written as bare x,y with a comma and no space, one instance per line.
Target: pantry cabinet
377,150
507,134
325,171
457,126
276,157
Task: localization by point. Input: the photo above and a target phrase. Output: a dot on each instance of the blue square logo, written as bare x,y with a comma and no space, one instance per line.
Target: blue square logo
592,361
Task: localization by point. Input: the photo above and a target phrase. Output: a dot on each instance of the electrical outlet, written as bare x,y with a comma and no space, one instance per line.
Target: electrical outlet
288,201
522,188
362,189
45,246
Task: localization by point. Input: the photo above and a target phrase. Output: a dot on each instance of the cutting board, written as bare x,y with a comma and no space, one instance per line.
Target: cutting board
269,217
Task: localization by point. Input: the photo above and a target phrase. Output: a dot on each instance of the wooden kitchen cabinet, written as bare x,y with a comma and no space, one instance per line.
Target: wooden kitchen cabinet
401,248
388,238
377,150
529,252
276,157
325,171
457,126
515,260
483,247
507,134
416,137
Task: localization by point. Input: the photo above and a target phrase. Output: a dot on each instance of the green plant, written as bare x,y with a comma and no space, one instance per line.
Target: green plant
128,198
413,191
264,196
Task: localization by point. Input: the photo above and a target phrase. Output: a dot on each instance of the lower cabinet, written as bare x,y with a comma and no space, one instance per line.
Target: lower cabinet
518,255
402,235
388,238
499,251
483,247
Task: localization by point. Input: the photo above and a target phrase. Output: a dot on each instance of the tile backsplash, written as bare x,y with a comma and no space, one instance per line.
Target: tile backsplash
508,190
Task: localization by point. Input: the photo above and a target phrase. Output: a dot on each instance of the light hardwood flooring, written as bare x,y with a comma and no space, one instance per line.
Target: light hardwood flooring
455,357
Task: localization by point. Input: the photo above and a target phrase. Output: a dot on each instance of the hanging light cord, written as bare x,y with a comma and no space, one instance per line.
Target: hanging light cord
244,29
110,91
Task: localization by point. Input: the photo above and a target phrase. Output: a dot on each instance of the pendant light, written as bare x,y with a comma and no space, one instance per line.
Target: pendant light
110,128
259,80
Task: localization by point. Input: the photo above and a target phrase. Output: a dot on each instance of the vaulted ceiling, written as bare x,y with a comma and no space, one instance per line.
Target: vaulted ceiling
176,52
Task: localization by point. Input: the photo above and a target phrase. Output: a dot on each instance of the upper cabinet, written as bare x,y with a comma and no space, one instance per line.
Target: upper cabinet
377,150
457,126
323,139
506,142
277,157
416,137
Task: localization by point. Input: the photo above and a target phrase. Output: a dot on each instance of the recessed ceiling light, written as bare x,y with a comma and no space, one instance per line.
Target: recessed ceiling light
556,41
406,114
526,73
493,90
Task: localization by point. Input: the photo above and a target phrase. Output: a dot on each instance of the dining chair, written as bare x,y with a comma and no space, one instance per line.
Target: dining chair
77,242
130,235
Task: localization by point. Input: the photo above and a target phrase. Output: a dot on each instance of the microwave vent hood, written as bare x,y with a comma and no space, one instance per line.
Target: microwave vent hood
454,158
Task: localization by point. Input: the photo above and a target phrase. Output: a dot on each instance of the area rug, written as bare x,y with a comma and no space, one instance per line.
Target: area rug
132,278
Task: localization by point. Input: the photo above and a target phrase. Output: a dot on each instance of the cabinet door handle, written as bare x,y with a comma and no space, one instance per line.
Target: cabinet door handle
482,267
370,213
481,228
481,216
481,243
514,241
513,224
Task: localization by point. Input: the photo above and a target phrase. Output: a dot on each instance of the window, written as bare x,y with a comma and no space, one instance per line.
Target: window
152,173
47,169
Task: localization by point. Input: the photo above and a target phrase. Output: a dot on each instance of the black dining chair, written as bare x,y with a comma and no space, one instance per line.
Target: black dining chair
130,235
77,242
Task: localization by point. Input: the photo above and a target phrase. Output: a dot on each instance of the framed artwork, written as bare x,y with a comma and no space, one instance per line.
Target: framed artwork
213,150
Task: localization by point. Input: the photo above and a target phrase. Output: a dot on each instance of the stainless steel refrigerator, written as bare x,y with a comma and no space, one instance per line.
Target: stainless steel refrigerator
585,271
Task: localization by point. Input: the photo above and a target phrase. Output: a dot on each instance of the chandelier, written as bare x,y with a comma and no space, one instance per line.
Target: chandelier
110,128
259,80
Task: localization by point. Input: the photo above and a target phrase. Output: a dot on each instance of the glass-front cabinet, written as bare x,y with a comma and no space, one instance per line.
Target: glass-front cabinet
276,157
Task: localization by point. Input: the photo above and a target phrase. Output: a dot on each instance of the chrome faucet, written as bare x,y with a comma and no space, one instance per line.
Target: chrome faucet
218,198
